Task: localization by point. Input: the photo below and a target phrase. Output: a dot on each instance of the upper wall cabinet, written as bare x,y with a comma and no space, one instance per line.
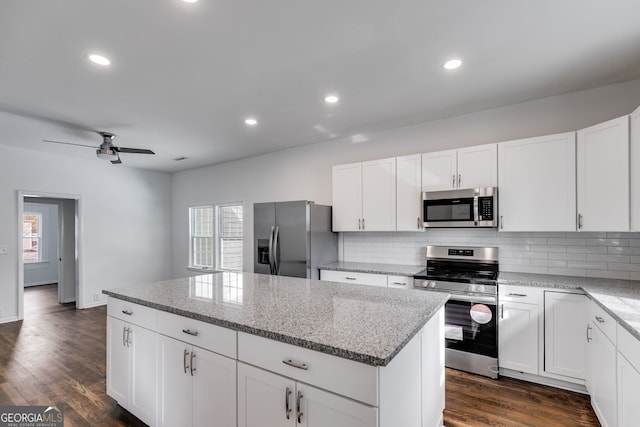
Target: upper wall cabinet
408,196
364,196
603,176
469,167
635,169
537,183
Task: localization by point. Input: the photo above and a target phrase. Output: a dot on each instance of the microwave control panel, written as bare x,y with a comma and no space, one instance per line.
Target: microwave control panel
485,208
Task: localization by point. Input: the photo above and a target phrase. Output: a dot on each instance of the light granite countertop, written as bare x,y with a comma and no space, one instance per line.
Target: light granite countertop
367,324
375,268
619,298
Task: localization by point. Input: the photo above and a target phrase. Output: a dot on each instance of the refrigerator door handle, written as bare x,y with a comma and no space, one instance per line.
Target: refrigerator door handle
276,261
271,250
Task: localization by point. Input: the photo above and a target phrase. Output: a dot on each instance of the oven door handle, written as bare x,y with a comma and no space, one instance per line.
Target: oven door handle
473,298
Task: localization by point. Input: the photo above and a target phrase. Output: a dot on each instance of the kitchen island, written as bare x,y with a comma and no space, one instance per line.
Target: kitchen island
261,350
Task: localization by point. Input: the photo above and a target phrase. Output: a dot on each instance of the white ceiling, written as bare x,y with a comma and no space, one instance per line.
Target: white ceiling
184,76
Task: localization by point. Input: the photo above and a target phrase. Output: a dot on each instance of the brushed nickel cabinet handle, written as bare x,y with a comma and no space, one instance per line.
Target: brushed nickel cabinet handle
359,223
184,361
351,278
599,319
287,408
128,336
502,311
124,334
453,181
418,223
579,221
399,283
588,330
501,222
190,332
516,295
459,180
363,227
299,407
191,366
127,312
290,362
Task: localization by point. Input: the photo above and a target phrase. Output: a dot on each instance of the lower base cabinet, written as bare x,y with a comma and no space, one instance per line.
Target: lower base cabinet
269,400
197,386
518,346
628,393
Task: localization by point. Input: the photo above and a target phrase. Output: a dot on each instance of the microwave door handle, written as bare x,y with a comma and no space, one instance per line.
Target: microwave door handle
475,210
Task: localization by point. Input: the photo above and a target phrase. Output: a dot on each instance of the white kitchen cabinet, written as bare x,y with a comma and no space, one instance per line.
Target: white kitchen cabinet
270,400
131,368
537,183
372,279
628,378
518,337
634,137
602,365
603,176
408,193
565,316
197,387
469,167
364,196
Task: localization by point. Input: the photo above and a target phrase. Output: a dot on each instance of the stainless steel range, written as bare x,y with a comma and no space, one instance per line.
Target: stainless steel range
470,275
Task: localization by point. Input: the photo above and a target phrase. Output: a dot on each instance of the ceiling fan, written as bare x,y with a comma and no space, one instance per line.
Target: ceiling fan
107,150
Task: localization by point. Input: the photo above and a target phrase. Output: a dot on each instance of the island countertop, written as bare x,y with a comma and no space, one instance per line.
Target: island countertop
366,324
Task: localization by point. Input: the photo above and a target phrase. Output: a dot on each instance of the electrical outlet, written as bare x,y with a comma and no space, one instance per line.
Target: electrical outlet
4,250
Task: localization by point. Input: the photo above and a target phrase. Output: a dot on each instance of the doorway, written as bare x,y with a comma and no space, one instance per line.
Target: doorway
49,248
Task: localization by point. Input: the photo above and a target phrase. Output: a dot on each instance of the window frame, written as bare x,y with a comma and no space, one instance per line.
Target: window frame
216,261
40,217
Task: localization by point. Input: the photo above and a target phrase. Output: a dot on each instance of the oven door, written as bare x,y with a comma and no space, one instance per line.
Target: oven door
471,326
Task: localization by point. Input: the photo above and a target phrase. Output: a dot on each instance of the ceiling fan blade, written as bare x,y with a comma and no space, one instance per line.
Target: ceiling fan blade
68,143
117,161
132,150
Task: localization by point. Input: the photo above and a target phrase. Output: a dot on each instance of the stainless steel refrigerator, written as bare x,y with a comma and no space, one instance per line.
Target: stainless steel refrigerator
293,238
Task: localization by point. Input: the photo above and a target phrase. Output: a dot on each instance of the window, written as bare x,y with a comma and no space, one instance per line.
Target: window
31,237
216,236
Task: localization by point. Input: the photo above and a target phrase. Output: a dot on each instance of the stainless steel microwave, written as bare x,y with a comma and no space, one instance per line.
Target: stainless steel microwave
471,207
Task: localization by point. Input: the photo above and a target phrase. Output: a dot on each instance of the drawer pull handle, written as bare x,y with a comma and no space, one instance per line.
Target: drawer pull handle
399,283
127,312
599,319
287,408
351,278
184,361
516,295
190,332
290,362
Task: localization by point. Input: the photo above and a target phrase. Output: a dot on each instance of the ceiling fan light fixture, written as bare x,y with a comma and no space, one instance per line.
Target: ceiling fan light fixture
107,154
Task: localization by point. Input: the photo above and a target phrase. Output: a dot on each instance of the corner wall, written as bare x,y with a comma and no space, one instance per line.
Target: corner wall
305,172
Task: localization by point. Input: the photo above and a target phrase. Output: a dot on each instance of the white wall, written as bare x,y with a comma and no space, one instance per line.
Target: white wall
125,220
305,172
45,271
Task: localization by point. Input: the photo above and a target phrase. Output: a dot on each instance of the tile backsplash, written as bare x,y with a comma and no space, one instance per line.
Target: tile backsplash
608,255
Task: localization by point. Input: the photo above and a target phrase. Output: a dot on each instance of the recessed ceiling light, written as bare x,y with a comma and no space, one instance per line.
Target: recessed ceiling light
250,121
189,1
452,64
99,59
331,99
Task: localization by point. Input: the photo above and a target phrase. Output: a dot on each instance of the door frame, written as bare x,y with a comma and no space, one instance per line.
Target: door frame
78,240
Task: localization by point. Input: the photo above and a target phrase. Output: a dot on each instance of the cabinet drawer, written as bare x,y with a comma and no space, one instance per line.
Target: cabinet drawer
524,294
205,335
629,346
402,282
603,321
342,376
133,313
353,277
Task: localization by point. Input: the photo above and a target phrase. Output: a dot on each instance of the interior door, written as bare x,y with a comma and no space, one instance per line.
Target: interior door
293,251
264,218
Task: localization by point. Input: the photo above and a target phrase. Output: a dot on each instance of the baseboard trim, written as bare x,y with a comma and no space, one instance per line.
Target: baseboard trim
551,382
93,304
9,319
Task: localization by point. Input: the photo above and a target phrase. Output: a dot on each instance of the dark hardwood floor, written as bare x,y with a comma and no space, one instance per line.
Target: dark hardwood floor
57,355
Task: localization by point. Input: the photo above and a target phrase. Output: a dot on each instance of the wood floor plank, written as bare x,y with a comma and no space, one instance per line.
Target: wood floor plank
58,355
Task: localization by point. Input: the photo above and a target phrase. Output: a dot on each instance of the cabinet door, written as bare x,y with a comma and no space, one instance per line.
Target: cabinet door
318,408
478,166
118,366
265,399
634,128
565,317
144,365
379,195
518,337
603,176
347,197
533,200
175,393
439,170
408,193
603,378
628,392
214,389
